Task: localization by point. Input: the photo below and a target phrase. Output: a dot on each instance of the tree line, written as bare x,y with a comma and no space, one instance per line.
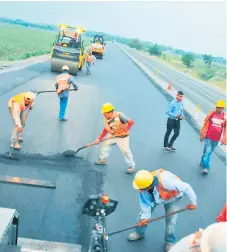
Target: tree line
152,48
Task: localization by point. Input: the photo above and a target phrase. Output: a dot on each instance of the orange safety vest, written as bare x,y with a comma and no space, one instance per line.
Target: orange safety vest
89,59
163,192
18,99
62,81
117,126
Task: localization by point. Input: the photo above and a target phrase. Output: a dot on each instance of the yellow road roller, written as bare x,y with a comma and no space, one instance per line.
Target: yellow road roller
68,49
97,46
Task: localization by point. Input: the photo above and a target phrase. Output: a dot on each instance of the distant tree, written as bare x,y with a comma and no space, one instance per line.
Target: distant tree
207,59
135,43
188,59
155,50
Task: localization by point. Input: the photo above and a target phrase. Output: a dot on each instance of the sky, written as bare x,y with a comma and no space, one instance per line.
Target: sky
192,26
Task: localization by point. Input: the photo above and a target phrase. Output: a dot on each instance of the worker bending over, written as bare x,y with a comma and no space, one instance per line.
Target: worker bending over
212,239
19,106
63,83
159,187
117,126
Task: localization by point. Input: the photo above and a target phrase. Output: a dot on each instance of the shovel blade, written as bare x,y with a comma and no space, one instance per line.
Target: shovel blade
69,153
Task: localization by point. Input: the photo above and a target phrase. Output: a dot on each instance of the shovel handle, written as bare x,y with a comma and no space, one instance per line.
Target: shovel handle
49,91
149,221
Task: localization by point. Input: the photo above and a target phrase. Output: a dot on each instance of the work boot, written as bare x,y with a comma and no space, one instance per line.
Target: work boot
205,171
172,148
101,162
130,170
134,237
20,139
167,149
16,146
168,246
63,120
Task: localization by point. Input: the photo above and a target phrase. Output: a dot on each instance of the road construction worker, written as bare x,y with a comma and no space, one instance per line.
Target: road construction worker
89,60
19,106
175,115
213,131
63,83
157,187
222,215
117,126
212,239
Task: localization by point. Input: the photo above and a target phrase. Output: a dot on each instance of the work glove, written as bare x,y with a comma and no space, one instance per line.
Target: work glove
201,138
143,222
223,142
20,130
191,207
97,141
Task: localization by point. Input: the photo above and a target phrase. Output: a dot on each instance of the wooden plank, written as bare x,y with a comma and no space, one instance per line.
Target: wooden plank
27,182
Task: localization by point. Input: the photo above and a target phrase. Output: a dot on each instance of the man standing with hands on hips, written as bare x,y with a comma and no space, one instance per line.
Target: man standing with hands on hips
175,115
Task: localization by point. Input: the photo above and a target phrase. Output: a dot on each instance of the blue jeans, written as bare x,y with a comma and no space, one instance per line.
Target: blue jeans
88,67
209,147
63,105
170,233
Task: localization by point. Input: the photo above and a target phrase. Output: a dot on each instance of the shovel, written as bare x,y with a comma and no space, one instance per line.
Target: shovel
149,221
48,91
72,153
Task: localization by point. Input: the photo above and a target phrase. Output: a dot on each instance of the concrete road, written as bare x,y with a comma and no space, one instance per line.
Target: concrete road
55,214
197,91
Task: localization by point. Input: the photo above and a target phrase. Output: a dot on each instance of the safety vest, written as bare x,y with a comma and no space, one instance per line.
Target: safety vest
18,99
62,81
164,193
115,124
89,58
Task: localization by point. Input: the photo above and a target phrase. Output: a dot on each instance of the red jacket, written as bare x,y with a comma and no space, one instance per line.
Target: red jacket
222,216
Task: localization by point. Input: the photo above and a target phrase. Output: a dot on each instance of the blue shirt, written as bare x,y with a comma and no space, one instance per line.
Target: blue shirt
175,108
65,93
170,182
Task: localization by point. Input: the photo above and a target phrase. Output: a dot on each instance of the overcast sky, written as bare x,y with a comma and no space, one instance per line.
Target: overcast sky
193,26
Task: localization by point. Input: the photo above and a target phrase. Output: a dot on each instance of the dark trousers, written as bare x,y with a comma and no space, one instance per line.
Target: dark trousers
172,124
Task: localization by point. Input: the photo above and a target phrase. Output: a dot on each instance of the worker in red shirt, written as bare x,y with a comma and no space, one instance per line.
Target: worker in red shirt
222,216
213,131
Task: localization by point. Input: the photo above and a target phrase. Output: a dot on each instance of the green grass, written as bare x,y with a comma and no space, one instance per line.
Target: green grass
18,42
201,71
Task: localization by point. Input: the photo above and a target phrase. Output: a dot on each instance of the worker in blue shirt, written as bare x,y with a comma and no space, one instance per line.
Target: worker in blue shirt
63,83
175,115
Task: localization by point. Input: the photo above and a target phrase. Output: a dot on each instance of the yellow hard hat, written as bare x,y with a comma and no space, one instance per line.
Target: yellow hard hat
143,179
29,96
107,107
214,238
65,68
220,104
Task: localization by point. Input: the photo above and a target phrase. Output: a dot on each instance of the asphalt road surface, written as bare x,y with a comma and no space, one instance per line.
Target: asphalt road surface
56,214
195,90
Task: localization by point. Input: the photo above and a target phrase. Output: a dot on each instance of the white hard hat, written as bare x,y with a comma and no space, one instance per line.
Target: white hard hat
30,96
214,238
65,68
